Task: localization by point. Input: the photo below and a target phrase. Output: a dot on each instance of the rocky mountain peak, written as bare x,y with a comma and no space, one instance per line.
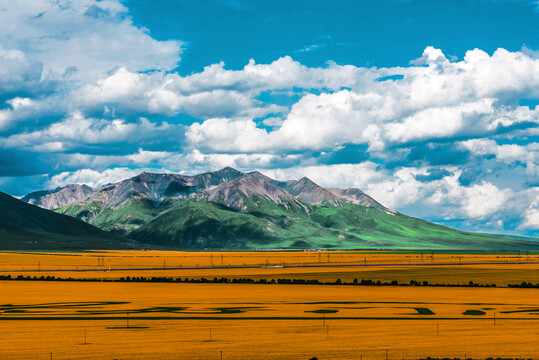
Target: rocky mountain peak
59,197
308,191
229,170
252,185
358,197
305,180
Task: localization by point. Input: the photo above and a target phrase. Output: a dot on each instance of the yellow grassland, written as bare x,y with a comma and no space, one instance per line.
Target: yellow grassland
92,259
507,268
173,321
139,320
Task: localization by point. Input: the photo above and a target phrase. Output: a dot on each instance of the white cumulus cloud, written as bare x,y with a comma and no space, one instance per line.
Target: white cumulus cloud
81,39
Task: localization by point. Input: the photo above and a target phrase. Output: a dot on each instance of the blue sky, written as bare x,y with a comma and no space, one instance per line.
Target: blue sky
428,106
362,33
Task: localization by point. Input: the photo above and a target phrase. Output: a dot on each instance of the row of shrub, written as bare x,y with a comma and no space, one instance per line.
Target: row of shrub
163,279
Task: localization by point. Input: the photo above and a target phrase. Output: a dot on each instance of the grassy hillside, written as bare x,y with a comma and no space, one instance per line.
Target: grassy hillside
25,226
121,220
266,225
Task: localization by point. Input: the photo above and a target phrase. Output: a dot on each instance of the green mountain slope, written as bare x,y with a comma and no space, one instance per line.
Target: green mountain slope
121,220
266,225
25,226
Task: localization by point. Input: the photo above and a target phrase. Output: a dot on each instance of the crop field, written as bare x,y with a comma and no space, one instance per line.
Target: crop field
449,268
74,320
146,320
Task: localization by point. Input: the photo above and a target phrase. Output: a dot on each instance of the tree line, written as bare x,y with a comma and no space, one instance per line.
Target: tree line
225,280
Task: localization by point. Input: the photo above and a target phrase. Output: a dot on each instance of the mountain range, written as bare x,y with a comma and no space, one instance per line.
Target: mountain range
229,209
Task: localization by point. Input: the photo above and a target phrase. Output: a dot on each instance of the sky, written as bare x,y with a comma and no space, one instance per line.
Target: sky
431,107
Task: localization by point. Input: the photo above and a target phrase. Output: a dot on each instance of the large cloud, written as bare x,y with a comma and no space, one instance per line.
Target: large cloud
215,91
77,130
82,39
474,97
50,48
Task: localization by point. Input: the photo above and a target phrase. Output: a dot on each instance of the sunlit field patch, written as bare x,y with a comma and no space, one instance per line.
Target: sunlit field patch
442,267
179,320
147,320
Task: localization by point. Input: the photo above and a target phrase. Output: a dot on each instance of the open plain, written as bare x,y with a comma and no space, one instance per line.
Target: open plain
485,268
129,320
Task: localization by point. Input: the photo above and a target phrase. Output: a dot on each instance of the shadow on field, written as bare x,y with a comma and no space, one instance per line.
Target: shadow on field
58,306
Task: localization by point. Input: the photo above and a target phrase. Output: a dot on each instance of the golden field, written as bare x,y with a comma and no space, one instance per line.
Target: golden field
502,269
117,320
160,259
173,321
